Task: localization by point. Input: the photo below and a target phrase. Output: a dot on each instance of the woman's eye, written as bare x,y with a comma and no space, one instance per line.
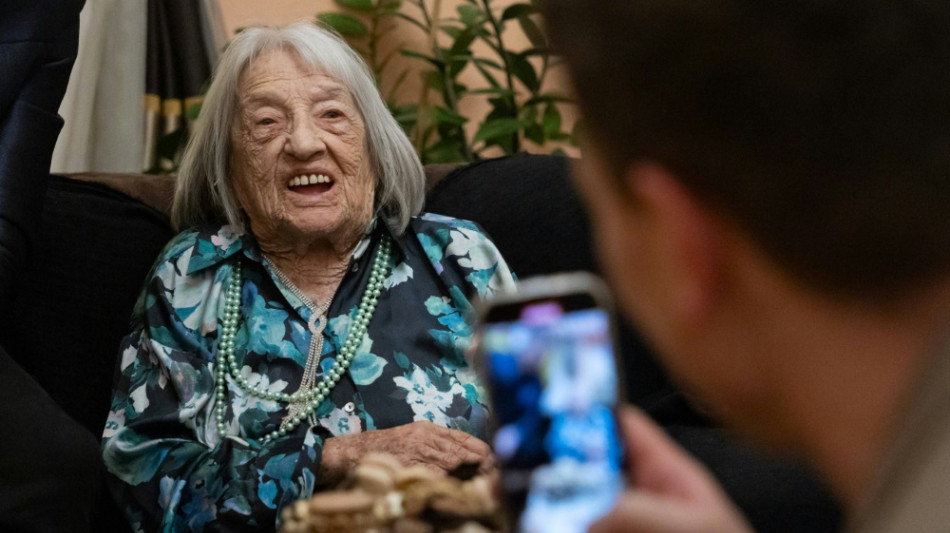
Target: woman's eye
266,121
332,114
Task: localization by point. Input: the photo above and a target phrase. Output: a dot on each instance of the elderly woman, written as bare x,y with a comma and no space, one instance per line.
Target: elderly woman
309,315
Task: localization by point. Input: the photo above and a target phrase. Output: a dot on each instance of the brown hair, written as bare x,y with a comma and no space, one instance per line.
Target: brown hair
821,126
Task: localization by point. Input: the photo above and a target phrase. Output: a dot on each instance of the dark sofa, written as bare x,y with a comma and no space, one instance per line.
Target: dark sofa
101,233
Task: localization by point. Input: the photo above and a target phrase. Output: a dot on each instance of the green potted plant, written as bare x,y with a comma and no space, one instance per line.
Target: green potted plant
520,108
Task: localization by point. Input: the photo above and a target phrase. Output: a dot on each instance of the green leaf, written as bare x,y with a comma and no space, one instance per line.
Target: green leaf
193,111
443,115
517,10
529,114
484,34
488,62
412,21
459,55
501,91
540,51
534,33
357,5
471,15
447,131
551,121
487,75
464,57
444,151
405,113
524,71
456,65
435,62
434,80
534,133
344,24
463,43
495,128
451,31
502,107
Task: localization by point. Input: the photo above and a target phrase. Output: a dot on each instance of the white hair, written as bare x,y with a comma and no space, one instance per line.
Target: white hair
203,192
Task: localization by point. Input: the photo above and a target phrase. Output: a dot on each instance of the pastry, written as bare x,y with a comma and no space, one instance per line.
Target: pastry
383,496
373,478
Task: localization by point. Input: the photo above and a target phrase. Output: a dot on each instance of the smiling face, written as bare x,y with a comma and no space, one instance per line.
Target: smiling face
300,166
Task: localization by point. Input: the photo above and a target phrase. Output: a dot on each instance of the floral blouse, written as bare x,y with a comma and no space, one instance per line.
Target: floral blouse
167,465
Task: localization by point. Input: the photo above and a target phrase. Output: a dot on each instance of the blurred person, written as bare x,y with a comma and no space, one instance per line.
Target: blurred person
768,184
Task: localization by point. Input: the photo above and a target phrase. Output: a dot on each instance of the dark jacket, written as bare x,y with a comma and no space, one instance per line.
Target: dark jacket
38,41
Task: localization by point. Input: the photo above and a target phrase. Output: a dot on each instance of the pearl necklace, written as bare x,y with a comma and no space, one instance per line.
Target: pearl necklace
312,398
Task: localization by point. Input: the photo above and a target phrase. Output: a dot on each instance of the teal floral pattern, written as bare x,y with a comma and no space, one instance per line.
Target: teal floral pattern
167,465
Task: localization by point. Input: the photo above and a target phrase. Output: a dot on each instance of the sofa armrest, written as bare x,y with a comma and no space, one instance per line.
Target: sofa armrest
155,190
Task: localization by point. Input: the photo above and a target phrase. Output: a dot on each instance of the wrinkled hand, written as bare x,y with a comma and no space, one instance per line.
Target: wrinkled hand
422,443
672,492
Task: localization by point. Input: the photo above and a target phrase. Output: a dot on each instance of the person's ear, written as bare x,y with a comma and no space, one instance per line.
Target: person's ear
688,235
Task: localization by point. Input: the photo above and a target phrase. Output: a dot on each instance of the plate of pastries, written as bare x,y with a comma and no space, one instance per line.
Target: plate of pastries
381,495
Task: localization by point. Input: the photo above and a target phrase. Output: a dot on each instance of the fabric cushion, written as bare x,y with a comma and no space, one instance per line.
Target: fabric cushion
94,249
527,205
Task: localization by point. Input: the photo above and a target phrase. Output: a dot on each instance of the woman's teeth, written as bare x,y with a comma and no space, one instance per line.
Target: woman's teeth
312,179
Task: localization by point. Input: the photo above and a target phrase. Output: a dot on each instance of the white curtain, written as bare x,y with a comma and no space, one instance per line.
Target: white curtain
104,108
104,127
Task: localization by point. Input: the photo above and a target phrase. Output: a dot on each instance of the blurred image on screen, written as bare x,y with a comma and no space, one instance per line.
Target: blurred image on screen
553,380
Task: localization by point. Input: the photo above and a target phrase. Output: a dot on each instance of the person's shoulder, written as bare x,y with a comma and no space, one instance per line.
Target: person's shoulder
435,220
182,291
442,235
167,274
199,248
432,223
179,244
461,246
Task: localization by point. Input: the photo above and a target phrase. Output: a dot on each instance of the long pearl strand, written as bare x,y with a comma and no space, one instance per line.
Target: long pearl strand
227,362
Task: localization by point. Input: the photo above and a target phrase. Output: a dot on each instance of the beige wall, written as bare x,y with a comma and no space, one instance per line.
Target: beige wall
239,13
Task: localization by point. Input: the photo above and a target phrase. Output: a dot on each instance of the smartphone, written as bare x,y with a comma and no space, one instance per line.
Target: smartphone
546,354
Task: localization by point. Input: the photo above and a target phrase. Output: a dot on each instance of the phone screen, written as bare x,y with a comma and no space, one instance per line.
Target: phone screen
553,382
